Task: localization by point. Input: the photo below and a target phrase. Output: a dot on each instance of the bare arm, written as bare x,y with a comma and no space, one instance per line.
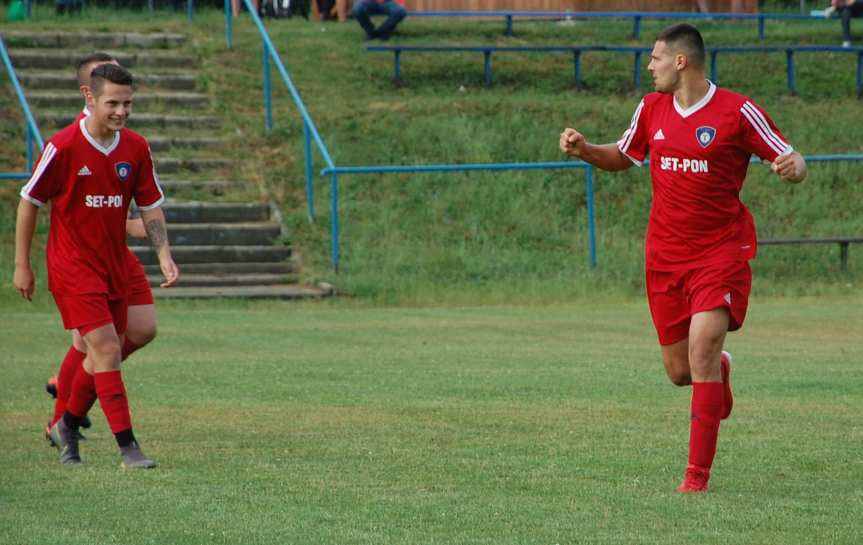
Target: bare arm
154,223
135,228
25,226
791,168
604,156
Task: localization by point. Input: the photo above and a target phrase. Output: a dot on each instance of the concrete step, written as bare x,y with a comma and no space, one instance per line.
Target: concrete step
207,212
215,254
222,234
213,187
285,291
191,164
282,268
223,280
66,80
66,59
137,121
165,143
71,100
92,40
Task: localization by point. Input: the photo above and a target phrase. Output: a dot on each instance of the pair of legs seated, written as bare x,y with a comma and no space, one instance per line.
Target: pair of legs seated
363,10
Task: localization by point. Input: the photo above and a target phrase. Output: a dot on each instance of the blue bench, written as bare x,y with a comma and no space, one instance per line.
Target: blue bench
637,16
637,52
843,243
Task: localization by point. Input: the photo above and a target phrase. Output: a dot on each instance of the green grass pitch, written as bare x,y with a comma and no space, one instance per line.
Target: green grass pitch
280,423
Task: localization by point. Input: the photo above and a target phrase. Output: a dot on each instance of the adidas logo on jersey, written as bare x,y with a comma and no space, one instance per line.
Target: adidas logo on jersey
659,135
84,171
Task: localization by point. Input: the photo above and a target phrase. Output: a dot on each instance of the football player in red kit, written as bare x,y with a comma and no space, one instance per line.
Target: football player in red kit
700,237
89,171
141,323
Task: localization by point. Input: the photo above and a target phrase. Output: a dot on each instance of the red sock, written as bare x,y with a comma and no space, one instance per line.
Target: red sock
73,361
704,428
128,348
83,393
112,398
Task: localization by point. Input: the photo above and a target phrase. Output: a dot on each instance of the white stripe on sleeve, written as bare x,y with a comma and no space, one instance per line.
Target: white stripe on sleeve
626,140
759,123
44,161
161,198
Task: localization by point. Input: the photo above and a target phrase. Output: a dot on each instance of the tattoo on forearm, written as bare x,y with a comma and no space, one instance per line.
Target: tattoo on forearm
156,232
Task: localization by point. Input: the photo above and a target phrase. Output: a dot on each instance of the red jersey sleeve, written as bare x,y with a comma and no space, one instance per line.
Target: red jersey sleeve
760,135
635,140
47,178
148,194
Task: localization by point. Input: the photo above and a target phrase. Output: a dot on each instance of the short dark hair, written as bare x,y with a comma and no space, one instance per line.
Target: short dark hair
685,38
108,72
98,57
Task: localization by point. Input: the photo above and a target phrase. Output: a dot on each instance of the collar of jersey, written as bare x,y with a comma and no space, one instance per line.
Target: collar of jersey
94,143
711,90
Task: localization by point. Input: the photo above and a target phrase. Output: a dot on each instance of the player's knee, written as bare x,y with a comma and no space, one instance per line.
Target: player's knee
703,358
143,335
79,343
680,377
105,353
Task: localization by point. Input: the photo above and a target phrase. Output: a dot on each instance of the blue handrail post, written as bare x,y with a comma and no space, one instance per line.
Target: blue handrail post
577,61
229,24
860,74
713,68
397,67
789,54
268,92
29,8
334,213
487,67
509,25
637,70
190,10
636,26
310,189
761,26
591,225
29,149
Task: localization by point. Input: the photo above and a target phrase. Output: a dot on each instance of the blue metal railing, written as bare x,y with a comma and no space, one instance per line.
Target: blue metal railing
588,170
638,52
33,133
637,16
310,133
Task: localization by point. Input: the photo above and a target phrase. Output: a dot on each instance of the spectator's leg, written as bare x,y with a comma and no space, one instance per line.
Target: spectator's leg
395,13
362,12
845,14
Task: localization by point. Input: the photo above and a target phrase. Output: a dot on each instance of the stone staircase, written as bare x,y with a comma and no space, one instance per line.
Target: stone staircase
223,249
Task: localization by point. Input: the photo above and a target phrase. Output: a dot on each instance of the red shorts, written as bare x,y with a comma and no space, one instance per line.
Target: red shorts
88,311
675,296
139,287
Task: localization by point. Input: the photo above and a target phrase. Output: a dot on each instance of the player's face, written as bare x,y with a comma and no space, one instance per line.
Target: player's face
112,107
663,66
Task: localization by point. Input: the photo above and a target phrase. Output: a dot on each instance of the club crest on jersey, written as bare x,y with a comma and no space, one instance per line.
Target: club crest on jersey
705,135
124,170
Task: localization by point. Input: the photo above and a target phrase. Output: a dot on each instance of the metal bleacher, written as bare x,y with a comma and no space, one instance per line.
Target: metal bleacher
637,52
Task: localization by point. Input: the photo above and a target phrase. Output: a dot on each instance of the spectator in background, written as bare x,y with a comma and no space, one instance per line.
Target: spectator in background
71,6
235,6
848,9
393,9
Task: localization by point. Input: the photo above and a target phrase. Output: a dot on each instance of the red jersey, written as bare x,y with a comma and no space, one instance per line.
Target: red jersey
698,161
90,187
